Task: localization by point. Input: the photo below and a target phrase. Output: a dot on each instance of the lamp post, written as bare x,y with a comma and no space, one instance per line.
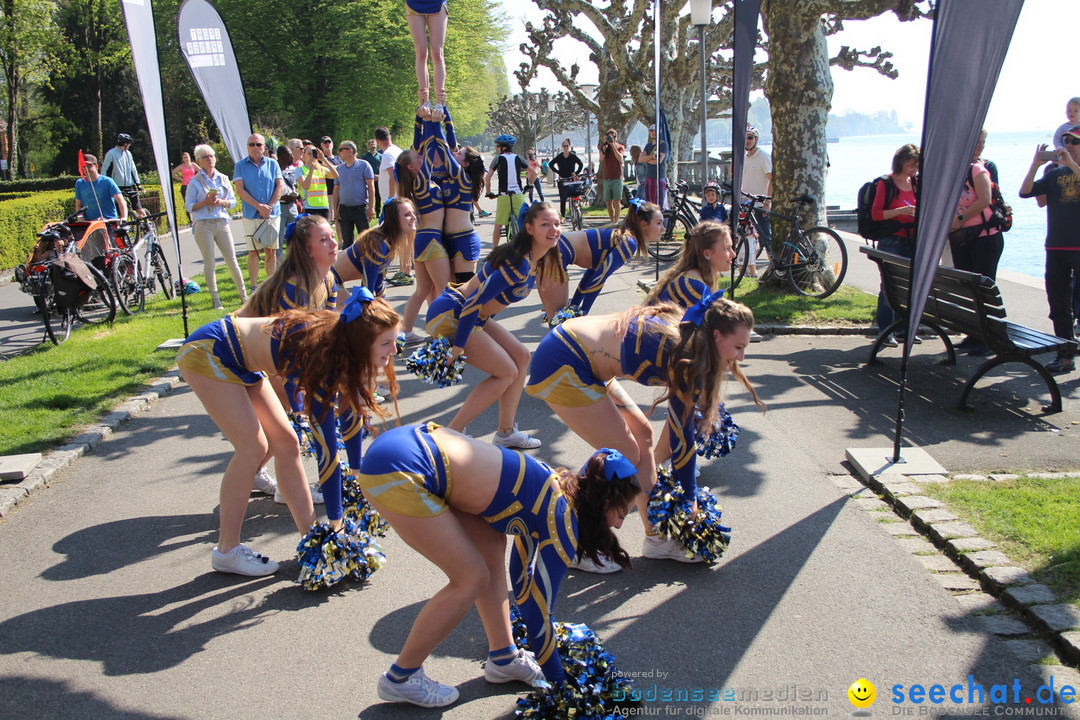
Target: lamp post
701,15
589,91
551,130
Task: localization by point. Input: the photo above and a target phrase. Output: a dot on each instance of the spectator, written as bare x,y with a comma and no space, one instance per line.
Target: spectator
388,189
326,145
312,181
567,165
99,194
1058,190
1072,117
641,171
612,151
184,172
260,186
209,202
120,166
711,207
535,184
899,216
289,202
373,157
654,156
508,166
757,180
354,194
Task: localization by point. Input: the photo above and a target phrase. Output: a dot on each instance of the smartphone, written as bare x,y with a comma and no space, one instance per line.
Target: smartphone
1045,155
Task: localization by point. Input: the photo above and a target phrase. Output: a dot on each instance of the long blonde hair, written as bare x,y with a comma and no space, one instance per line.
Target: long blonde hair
298,268
704,236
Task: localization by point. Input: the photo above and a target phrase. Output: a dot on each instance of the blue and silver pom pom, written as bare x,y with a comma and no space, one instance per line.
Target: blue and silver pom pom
431,364
593,687
568,312
721,439
357,509
328,556
304,434
671,512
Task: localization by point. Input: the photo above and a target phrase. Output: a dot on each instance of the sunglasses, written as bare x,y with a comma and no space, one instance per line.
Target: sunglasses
344,149
1069,140
255,144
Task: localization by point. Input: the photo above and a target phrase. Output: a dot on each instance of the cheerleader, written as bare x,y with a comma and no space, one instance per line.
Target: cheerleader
428,19
687,354
601,252
368,258
328,355
705,257
465,314
413,475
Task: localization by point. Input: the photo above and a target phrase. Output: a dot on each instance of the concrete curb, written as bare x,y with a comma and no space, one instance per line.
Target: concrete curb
1007,586
59,459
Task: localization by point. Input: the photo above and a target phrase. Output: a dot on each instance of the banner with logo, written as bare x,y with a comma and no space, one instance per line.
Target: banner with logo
209,55
139,19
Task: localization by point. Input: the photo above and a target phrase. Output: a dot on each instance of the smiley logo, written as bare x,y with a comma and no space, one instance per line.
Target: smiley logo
862,693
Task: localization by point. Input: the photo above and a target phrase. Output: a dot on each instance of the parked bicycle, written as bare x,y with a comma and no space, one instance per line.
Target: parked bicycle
66,290
137,264
813,260
680,217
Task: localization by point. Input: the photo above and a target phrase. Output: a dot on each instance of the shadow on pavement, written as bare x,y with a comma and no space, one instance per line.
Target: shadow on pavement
50,698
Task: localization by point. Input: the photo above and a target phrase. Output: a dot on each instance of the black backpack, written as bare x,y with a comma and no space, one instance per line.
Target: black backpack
870,228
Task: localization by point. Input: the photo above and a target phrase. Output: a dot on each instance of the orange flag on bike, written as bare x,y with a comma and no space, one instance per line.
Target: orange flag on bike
82,165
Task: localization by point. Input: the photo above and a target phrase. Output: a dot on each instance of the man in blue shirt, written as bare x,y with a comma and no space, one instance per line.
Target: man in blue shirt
120,166
654,157
353,194
98,194
259,185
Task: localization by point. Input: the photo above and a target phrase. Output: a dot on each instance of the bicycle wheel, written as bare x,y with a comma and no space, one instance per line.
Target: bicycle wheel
576,222
818,263
731,279
161,270
57,321
127,285
101,307
673,239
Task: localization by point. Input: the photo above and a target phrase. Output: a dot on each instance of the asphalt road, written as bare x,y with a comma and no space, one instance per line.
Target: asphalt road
108,607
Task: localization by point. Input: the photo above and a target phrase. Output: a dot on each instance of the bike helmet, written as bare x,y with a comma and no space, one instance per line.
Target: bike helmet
507,140
712,185
751,130
123,138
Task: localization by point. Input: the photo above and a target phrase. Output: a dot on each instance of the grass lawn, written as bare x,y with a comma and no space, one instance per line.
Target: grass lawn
1035,522
47,393
774,305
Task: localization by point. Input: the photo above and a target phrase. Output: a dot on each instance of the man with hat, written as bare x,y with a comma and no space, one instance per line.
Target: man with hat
1058,190
98,194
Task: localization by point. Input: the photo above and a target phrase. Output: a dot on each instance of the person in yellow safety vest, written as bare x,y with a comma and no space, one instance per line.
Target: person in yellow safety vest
312,181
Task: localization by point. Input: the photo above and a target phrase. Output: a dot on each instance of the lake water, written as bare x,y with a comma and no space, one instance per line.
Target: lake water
854,160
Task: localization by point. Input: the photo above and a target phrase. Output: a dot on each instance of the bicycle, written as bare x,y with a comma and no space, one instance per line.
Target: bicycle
513,223
679,219
140,267
576,192
61,296
814,260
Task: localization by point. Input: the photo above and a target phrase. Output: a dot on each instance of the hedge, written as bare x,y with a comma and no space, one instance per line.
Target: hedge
64,182
22,216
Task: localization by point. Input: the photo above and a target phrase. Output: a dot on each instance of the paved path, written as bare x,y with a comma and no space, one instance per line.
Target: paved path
108,608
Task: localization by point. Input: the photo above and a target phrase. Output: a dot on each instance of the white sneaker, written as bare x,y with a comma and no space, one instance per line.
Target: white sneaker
264,483
242,560
517,440
316,496
606,566
411,338
419,689
523,668
655,547
754,337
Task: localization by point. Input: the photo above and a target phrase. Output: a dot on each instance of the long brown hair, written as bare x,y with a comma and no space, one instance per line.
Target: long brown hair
704,236
548,267
406,180
298,268
591,494
693,369
333,358
634,222
390,229
473,165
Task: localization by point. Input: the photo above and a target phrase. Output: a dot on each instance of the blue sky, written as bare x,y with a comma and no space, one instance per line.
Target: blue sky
1036,81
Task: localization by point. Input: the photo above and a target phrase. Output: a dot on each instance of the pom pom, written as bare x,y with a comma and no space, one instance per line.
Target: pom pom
431,363
304,434
593,684
570,311
721,439
671,511
357,509
328,556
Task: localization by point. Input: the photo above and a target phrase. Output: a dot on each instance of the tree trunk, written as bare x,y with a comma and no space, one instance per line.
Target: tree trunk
800,96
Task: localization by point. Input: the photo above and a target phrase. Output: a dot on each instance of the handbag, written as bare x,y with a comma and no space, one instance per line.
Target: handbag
265,234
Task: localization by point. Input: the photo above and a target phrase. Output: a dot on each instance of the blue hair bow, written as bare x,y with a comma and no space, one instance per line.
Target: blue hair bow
354,308
385,205
616,465
291,227
638,203
696,313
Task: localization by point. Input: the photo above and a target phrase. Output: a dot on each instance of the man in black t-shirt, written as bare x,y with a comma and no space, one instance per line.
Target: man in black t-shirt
566,165
1058,190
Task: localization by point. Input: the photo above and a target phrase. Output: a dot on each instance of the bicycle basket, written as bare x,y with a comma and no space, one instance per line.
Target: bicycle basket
574,189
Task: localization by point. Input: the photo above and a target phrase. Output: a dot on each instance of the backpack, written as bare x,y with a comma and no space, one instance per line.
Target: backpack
72,281
1001,214
868,227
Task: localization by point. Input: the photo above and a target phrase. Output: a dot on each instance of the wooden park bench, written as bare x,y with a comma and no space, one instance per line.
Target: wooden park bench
968,304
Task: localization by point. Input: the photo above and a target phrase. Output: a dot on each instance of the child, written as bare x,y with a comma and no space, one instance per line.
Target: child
711,207
1072,115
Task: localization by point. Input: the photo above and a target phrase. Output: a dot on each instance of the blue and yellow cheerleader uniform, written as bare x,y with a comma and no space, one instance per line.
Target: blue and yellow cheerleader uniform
454,314
407,472
684,291
428,244
216,351
608,255
457,190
